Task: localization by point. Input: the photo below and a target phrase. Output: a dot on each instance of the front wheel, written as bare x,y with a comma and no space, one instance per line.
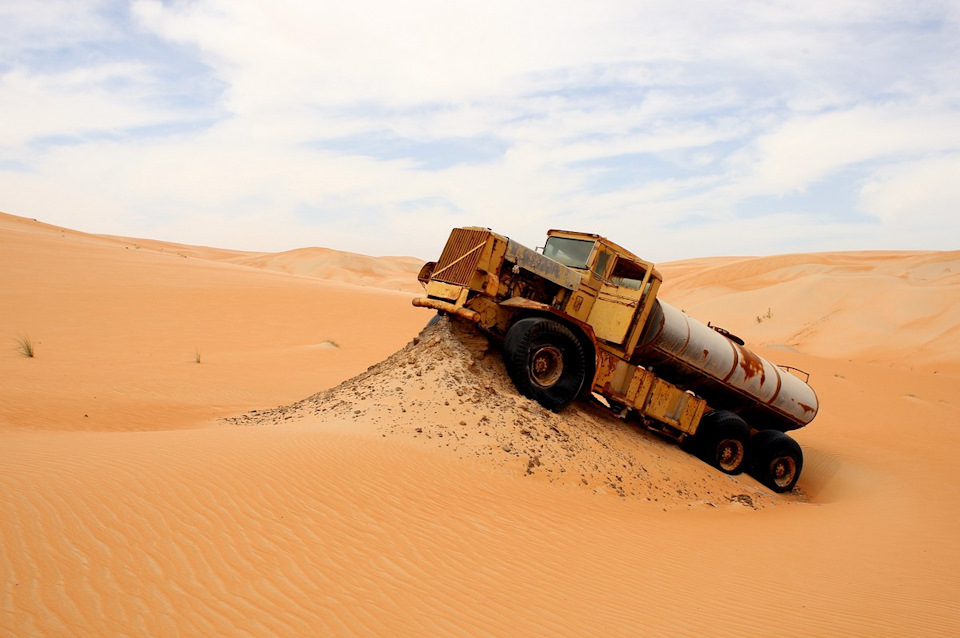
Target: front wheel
546,361
777,460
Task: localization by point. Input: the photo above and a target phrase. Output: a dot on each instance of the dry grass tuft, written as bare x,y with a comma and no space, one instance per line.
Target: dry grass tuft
26,347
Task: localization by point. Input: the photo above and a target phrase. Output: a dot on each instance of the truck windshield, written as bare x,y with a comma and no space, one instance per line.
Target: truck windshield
569,252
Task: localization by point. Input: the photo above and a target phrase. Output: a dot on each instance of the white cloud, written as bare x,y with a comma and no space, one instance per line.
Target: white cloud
30,26
807,148
924,194
72,103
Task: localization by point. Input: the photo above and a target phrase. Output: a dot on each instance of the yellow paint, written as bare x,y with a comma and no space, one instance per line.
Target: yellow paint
443,290
613,312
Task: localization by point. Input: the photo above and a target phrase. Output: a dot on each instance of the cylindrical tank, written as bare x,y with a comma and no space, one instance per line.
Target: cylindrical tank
696,357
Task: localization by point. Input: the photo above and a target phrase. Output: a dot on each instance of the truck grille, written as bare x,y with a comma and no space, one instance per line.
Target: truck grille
459,259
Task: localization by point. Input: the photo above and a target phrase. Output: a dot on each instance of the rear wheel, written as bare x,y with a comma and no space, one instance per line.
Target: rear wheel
722,440
777,460
546,361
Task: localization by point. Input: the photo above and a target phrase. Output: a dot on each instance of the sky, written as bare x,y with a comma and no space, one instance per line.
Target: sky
677,129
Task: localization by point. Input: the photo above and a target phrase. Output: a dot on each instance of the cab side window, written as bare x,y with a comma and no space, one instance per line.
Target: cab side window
627,275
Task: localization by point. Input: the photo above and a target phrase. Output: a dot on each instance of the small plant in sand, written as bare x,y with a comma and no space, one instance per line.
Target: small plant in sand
769,315
197,355
25,345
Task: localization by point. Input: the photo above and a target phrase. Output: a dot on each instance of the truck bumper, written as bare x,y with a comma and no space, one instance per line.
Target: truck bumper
447,307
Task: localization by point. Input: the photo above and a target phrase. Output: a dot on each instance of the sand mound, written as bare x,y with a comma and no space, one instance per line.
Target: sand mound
449,388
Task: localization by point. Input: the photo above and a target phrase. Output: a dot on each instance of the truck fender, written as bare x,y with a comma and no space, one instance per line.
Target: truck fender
426,272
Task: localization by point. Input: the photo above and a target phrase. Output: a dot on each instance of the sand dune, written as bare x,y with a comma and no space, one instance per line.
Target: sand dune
142,497
392,273
118,330
889,307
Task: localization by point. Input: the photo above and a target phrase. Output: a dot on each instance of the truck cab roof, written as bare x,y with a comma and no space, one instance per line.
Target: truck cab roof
588,254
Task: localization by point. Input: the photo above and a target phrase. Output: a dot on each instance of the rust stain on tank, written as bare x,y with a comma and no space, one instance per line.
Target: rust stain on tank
706,353
752,365
806,408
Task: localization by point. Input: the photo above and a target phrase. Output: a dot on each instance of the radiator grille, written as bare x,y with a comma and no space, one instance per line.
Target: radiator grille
459,259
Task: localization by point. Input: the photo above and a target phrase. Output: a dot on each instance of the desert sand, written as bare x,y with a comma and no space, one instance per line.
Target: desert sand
214,442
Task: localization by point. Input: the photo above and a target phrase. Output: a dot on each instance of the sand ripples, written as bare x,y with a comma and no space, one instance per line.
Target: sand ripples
309,530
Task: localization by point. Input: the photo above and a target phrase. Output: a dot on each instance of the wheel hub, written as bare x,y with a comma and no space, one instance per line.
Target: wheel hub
546,366
783,469
729,454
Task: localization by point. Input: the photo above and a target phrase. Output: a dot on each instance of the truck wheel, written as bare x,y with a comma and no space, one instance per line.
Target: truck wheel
723,441
546,361
777,460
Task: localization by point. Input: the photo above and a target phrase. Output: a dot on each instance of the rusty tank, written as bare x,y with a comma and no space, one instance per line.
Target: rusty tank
686,352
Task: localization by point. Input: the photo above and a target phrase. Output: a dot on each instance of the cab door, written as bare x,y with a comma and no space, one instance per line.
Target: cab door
617,301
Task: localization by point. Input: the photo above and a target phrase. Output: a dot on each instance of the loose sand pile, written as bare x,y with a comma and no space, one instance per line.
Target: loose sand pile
449,387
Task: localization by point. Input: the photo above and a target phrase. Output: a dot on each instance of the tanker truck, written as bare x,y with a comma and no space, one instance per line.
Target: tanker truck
582,317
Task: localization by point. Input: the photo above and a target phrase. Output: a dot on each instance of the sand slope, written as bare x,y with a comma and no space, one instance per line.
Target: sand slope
118,330
132,507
